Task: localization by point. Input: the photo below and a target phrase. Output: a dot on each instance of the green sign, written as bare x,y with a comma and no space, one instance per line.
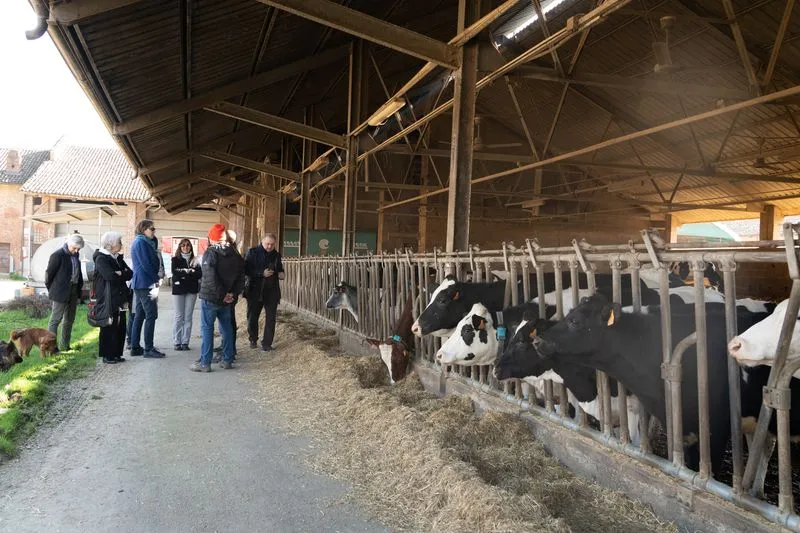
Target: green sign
327,242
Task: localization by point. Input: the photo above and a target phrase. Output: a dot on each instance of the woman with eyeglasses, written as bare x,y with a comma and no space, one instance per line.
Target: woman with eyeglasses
186,276
145,262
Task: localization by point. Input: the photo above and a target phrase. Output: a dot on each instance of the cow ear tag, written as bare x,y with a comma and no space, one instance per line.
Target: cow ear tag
501,333
396,338
610,319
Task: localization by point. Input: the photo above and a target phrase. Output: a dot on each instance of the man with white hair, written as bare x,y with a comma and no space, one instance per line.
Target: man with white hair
64,281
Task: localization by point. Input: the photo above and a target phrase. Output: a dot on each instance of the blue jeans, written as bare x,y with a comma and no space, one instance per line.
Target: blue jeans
209,313
146,314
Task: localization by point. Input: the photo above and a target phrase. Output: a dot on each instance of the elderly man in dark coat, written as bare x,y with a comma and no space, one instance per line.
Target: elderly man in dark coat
64,282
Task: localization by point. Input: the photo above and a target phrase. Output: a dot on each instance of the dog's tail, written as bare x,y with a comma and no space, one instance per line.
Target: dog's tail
16,334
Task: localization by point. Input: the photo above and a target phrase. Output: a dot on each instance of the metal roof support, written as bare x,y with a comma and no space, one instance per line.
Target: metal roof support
462,136
269,77
277,123
243,162
188,179
741,46
305,191
792,91
285,164
245,188
370,28
355,103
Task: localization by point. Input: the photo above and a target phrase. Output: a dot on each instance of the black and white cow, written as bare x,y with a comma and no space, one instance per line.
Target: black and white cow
627,346
475,340
519,360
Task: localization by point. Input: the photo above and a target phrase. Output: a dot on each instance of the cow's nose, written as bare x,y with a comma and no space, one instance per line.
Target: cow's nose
415,329
735,345
439,356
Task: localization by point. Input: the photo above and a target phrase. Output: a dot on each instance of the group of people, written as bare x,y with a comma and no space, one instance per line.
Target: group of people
128,295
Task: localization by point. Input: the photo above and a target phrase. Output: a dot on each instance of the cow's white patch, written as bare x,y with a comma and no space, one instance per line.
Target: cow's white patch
415,329
386,357
442,286
482,350
650,276
757,345
687,294
550,298
754,306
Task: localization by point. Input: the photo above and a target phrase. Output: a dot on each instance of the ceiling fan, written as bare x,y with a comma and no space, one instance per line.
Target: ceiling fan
478,141
661,51
760,160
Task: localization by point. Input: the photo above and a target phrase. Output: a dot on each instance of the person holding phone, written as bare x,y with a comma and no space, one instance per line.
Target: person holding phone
264,270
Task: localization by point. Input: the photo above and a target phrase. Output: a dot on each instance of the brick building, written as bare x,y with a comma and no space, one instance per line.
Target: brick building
16,167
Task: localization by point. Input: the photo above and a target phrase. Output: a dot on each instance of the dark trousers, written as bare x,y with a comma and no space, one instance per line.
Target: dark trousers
112,338
254,307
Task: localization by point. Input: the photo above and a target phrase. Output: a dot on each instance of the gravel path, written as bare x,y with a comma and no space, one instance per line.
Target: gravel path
148,446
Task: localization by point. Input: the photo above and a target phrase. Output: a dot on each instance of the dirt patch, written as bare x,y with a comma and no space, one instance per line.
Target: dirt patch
420,463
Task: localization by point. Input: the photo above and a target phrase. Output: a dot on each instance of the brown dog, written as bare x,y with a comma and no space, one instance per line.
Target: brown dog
25,339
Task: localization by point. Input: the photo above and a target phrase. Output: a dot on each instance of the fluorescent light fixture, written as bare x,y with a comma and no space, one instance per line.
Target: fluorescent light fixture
547,6
385,111
318,163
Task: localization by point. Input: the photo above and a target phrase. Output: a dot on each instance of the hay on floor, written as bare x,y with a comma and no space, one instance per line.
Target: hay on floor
420,463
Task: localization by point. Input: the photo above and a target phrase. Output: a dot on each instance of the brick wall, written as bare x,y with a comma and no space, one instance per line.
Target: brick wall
11,210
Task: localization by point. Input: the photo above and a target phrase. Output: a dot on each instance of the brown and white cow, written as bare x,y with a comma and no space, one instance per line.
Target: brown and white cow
396,350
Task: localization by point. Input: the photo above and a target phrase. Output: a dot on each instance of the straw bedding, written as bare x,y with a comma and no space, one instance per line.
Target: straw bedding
420,463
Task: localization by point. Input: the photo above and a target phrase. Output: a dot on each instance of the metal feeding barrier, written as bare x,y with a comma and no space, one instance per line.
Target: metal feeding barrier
383,283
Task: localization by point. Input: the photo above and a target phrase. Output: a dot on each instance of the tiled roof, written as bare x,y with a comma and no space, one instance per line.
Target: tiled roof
88,172
31,160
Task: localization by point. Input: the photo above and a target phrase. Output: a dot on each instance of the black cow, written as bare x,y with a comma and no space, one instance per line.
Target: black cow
628,348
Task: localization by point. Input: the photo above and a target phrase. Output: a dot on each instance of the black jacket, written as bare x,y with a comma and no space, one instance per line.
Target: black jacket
109,284
58,276
185,282
223,272
257,259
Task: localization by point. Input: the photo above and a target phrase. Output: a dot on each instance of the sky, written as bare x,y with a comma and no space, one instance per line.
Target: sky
40,100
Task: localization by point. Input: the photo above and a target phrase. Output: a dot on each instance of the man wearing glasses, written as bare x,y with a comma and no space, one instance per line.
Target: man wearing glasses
146,263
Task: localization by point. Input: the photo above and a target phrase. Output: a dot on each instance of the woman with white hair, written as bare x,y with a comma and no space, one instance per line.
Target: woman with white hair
111,293
64,281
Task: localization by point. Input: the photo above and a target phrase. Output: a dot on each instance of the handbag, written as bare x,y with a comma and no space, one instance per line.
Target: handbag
99,316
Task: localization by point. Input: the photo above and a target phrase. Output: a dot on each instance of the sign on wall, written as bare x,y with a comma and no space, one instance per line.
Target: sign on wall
328,242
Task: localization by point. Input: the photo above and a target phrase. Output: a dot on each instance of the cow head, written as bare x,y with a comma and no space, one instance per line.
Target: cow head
582,330
474,341
444,310
395,354
344,296
9,356
758,344
520,358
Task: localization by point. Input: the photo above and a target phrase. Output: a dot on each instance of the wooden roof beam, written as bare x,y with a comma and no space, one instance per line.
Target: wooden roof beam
187,179
246,188
243,162
77,10
269,77
273,122
370,28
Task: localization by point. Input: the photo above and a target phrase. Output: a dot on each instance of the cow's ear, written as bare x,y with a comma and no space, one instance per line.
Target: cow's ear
478,322
532,334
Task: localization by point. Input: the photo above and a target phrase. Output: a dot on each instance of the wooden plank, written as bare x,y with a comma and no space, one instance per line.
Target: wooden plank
243,162
77,10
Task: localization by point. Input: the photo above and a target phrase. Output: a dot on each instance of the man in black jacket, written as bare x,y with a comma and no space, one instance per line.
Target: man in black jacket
223,278
64,282
264,271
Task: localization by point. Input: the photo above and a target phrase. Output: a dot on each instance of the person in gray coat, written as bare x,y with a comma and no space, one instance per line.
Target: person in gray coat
64,281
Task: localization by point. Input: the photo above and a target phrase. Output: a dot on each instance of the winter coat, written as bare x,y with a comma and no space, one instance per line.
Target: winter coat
259,288
145,263
223,273
185,282
58,276
111,291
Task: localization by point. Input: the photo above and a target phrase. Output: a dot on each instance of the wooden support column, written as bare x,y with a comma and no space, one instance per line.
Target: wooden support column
671,225
463,134
422,237
354,106
305,192
381,217
766,223
285,163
